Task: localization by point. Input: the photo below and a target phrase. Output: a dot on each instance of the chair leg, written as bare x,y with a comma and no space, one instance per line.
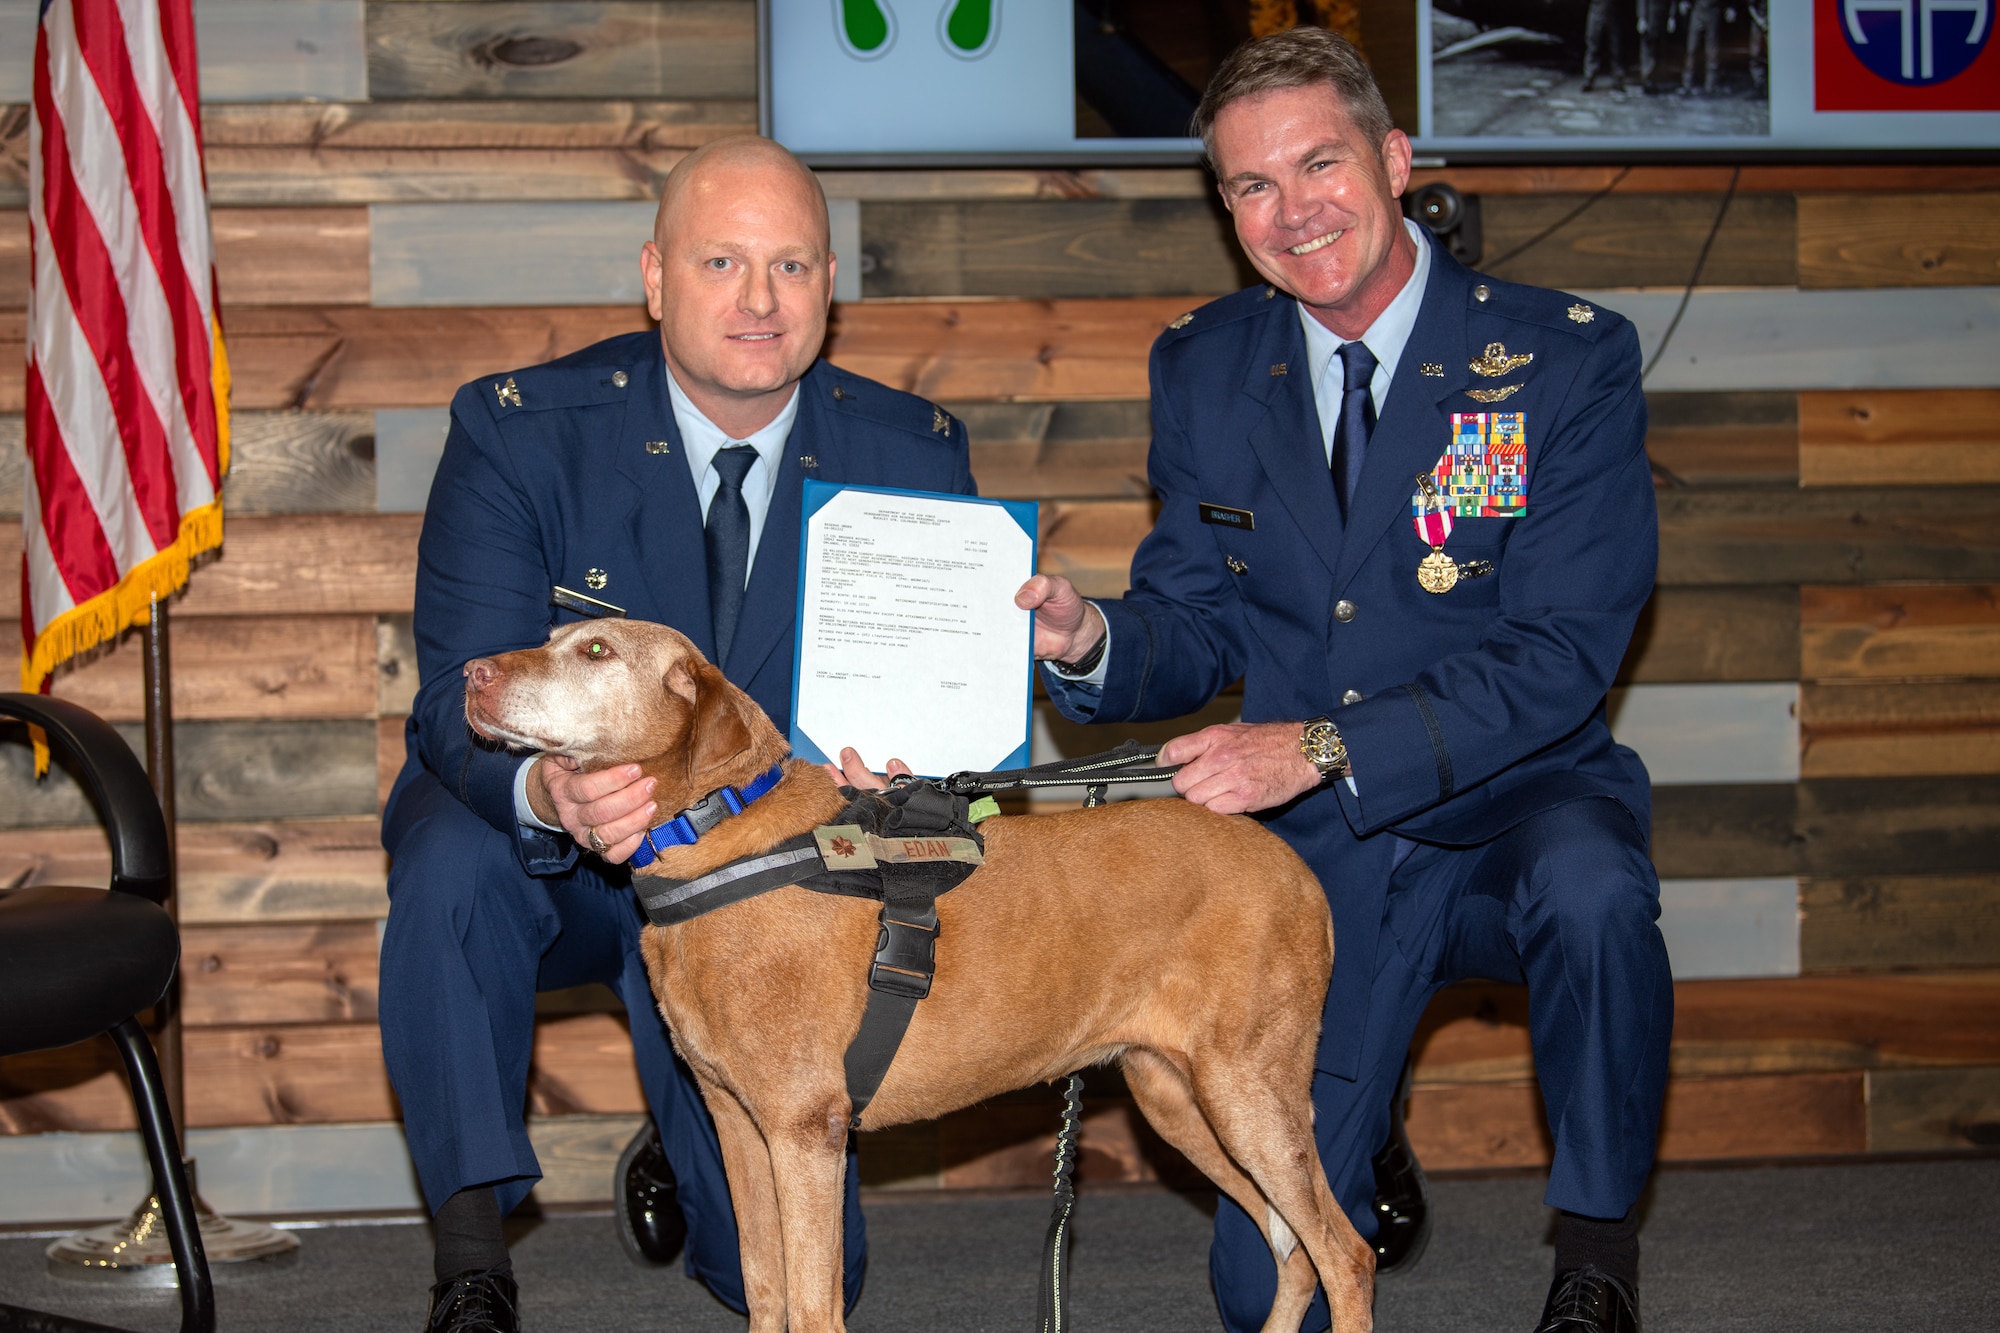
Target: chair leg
170,1182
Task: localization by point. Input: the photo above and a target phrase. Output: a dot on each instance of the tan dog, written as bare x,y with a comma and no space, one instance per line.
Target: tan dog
1192,948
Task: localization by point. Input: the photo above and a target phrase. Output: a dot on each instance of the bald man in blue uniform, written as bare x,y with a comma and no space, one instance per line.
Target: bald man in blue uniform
1410,508
656,476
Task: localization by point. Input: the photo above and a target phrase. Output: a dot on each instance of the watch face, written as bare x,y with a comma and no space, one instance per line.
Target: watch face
1321,746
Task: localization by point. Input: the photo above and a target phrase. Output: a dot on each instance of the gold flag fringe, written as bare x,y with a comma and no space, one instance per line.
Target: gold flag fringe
218,376
129,602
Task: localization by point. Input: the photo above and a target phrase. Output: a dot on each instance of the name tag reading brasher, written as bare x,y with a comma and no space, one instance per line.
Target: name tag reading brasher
1223,516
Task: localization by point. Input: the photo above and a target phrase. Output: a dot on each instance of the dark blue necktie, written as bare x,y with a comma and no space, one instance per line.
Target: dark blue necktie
1357,420
728,535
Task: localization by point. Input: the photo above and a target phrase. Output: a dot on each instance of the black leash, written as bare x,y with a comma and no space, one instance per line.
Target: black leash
1055,1296
1129,763
1098,773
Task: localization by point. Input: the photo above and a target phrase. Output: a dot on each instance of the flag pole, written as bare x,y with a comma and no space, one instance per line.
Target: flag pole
136,1251
160,768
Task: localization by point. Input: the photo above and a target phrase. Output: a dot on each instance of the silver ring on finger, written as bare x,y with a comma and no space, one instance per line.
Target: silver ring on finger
596,840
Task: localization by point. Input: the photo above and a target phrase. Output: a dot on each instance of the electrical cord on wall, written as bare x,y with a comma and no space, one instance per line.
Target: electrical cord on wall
1700,261
1559,224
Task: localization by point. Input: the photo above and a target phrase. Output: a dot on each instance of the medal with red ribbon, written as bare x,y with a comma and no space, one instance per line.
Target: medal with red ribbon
1436,572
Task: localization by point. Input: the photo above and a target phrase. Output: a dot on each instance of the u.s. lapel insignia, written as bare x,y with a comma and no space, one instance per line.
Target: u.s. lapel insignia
1277,369
508,393
1182,321
1498,395
1495,361
939,421
658,447
1581,313
1270,292
1432,369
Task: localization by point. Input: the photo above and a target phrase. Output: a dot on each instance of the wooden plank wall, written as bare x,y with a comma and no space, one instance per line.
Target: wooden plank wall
1828,484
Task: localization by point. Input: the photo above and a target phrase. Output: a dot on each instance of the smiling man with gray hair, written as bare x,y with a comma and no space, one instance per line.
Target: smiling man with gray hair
1409,507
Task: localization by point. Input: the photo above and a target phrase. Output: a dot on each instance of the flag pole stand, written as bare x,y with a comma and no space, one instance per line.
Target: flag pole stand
135,1252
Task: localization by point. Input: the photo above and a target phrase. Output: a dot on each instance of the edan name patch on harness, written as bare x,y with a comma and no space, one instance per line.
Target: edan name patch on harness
851,847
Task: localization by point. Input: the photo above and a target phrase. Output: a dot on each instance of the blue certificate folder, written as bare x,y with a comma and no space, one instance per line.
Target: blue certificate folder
1025,513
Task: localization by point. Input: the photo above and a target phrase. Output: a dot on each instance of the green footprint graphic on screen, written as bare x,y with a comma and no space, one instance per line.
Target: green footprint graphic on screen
866,28
968,27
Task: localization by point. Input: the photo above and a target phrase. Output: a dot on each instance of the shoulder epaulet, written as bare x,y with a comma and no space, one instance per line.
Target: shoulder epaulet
596,374
858,396
1541,306
1223,310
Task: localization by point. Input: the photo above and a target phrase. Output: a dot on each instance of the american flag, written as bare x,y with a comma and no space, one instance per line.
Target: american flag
127,385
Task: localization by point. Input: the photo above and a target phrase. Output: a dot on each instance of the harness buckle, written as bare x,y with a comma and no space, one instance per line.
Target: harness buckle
905,951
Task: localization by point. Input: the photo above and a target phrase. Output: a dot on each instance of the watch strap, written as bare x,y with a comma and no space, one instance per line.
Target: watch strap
1086,664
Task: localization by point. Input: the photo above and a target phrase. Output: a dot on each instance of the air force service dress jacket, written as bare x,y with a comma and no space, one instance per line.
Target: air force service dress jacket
573,474
1463,712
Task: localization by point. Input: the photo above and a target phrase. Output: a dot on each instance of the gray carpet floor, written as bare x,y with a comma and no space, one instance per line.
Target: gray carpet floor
1912,1245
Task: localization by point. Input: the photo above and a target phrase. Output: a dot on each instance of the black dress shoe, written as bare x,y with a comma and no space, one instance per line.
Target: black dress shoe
1589,1300
649,1209
1402,1195
487,1302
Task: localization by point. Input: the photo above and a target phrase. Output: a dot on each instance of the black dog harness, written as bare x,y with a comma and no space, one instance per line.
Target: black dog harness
902,848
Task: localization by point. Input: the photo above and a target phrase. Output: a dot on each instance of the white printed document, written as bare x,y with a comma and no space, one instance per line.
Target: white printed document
909,644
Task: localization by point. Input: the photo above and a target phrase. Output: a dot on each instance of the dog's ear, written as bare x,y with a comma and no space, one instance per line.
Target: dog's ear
718,734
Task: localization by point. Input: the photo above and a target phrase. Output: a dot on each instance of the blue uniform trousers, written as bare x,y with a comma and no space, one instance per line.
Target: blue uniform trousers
1566,902
471,937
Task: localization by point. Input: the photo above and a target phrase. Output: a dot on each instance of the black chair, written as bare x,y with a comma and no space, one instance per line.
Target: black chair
76,962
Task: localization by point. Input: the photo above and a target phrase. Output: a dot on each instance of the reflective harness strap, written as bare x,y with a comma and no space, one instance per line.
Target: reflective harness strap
685,899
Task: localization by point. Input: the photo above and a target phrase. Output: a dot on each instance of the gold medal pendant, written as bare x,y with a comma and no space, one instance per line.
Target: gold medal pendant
1437,572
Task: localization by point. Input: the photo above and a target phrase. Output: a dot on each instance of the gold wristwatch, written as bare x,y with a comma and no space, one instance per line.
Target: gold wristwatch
1320,743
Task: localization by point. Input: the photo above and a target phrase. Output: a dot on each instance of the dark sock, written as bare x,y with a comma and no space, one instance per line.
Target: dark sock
1613,1246
469,1238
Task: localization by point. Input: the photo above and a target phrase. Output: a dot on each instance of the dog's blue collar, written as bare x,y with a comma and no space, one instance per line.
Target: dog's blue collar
685,829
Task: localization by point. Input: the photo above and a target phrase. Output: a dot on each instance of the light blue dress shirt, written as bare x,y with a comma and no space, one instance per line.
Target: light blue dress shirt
702,440
1385,339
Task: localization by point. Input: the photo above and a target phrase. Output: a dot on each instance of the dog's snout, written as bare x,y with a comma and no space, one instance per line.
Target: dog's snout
481,672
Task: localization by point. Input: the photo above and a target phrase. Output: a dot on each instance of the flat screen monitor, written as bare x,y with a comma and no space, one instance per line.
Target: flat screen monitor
943,82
